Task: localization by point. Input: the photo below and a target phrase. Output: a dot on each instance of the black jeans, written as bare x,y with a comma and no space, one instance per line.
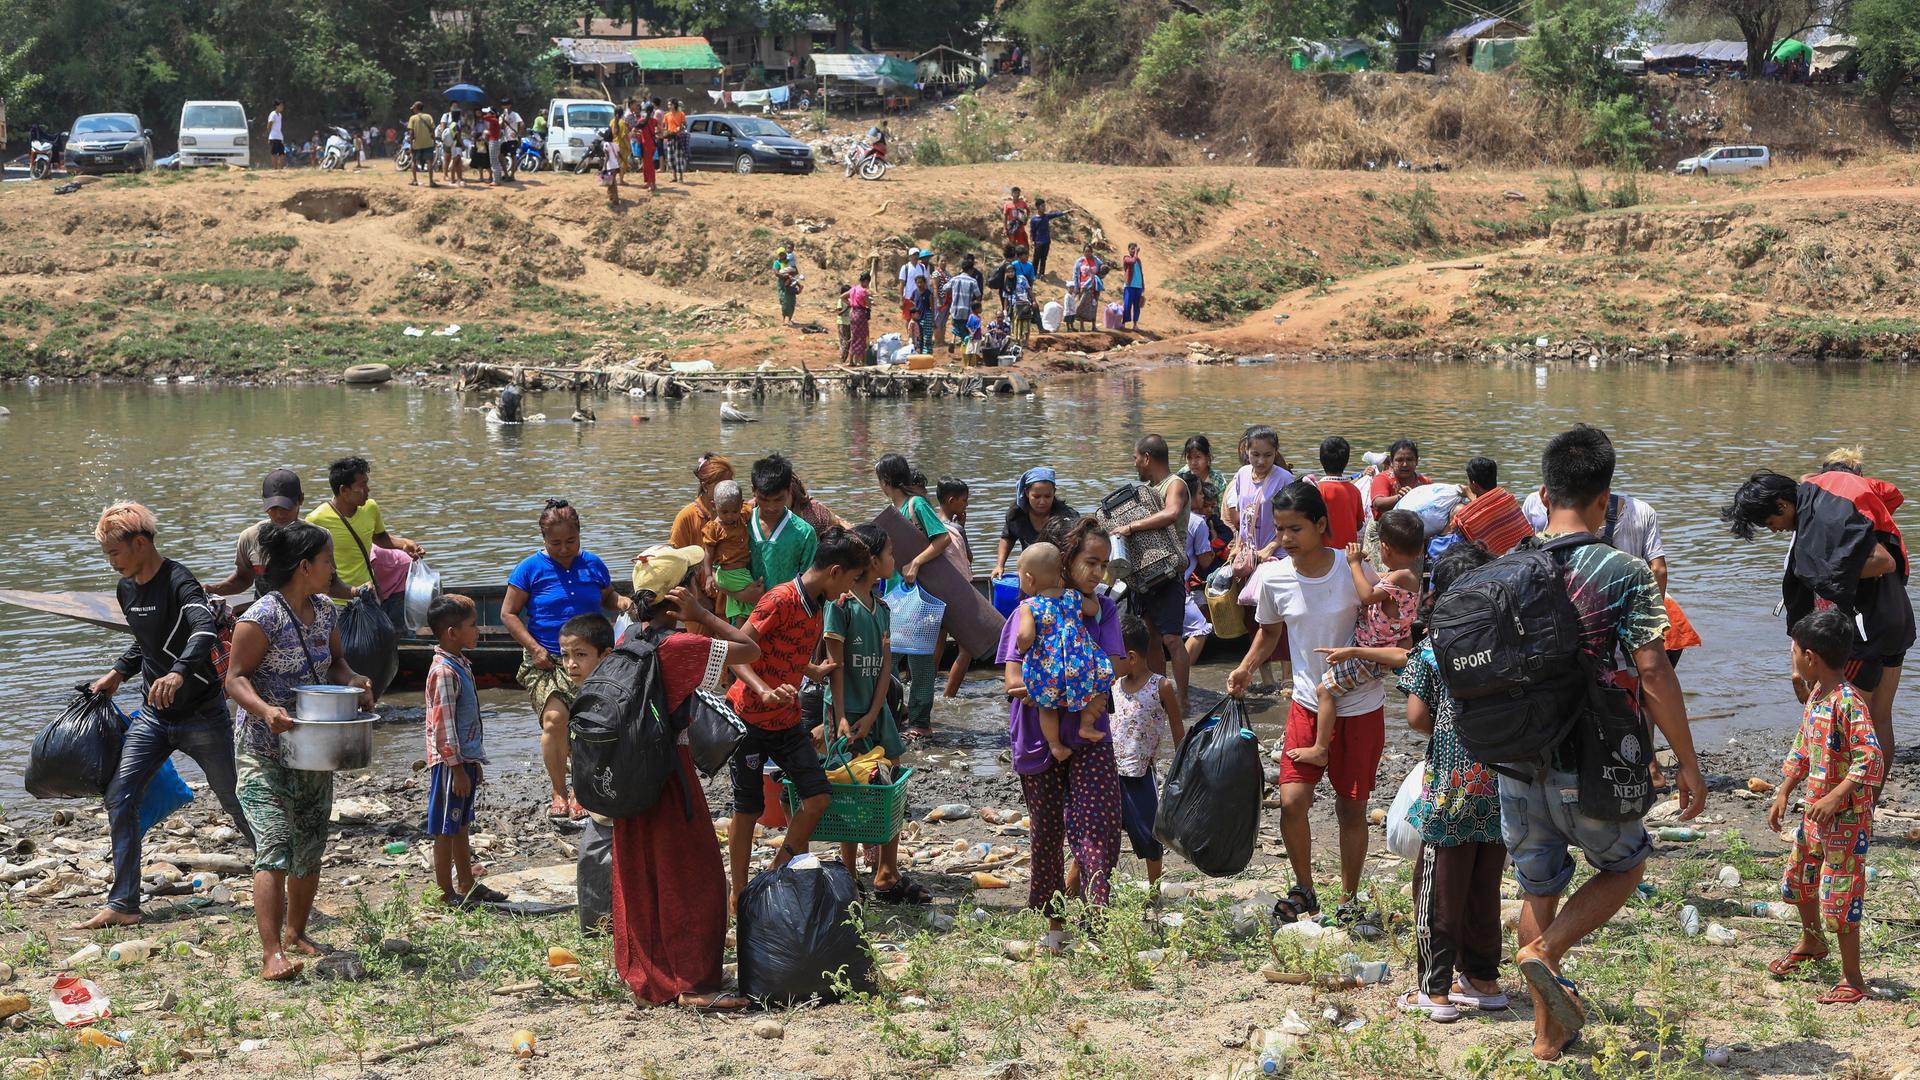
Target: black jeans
206,738
1040,258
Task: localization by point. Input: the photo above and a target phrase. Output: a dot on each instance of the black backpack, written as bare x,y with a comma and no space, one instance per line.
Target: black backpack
1506,638
622,739
997,281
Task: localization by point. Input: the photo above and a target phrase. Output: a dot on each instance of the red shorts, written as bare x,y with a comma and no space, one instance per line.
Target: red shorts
1354,759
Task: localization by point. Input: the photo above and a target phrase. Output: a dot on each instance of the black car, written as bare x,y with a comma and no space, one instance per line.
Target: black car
745,143
109,142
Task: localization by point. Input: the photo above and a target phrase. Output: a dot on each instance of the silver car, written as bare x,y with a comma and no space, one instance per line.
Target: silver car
109,142
1723,160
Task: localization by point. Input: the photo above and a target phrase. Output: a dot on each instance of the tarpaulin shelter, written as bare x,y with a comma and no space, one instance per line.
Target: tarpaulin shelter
868,69
1835,50
946,64
1686,56
1456,47
1790,49
674,54
1345,54
1497,54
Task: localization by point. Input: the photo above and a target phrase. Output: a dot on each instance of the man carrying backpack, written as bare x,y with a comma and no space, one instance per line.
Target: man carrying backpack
1584,783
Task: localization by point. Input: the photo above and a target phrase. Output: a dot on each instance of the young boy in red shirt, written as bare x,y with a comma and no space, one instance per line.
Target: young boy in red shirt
786,624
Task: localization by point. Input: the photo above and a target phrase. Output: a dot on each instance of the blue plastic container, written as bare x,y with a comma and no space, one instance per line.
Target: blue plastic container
1006,594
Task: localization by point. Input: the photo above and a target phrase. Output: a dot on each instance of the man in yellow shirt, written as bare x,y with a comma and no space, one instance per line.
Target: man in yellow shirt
357,527
420,137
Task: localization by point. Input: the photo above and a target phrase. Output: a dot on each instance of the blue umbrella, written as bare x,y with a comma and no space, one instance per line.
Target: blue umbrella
467,93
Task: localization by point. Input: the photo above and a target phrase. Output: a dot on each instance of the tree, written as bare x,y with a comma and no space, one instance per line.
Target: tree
1761,22
1889,36
1409,21
1567,52
1085,37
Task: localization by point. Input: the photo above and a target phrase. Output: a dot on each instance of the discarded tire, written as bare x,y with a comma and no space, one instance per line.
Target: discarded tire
367,375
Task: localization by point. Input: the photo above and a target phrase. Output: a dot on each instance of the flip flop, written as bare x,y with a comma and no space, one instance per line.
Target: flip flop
482,895
1463,993
1296,905
1843,994
1793,962
905,891
557,809
1560,993
1417,1001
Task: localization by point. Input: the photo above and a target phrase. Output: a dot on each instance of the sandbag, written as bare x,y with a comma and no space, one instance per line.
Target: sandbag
970,619
1402,838
796,930
369,642
1434,503
76,755
1210,806
593,878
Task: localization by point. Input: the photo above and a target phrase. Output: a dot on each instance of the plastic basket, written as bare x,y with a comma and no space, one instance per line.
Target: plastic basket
916,618
859,813
1006,594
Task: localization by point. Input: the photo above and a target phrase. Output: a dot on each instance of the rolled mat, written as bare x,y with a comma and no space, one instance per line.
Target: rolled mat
971,620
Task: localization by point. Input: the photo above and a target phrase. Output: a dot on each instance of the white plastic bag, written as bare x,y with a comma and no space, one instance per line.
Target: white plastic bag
76,1002
1435,503
423,585
1402,838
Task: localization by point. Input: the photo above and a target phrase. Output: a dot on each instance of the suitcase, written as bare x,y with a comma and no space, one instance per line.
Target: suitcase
1148,559
1114,316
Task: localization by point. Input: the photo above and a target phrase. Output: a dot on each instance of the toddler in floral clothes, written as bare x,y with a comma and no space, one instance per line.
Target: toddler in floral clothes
1062,668
1836,754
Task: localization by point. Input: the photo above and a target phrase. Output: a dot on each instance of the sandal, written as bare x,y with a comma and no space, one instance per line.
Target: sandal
1793,962
480,894
557,809
905,891
574,810
1296,905
1560,993
1843,994
1440,1012
1463,993
1361,920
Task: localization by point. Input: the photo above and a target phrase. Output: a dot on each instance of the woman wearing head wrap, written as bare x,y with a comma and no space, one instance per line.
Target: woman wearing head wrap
691,521
1035,506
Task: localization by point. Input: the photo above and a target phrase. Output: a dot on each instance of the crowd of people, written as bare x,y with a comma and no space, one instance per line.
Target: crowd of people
764,593
943,302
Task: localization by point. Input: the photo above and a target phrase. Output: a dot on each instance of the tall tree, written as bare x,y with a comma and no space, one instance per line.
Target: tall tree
1762,23
1410,23
1567,52
1889,36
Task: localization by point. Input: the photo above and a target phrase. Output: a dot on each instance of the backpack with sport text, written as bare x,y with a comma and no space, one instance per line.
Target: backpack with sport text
621,738
1507,640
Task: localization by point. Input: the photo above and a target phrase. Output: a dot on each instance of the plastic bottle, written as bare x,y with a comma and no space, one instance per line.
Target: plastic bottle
523,1043
1690,920
1273,1052
130,952
1720,935
96,1037
1729,877
1873,874
398,847
85,954
1681,834
1760,909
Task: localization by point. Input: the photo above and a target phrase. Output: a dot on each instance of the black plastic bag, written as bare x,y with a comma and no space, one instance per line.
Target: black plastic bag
714,732
76,756
369,643
593,878
796,930
1210,806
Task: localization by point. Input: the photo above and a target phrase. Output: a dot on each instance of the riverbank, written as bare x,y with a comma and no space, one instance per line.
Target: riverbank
421,991
266,277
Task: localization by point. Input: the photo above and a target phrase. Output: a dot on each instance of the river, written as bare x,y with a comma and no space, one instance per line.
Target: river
470,492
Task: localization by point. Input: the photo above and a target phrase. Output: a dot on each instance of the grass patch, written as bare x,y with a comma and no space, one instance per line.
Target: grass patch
264,242
245,279
1240,283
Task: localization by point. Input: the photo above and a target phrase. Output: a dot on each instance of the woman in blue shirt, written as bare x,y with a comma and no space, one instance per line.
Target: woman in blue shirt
549,587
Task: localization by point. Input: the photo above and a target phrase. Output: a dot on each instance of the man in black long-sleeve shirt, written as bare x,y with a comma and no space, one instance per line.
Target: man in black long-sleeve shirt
173,642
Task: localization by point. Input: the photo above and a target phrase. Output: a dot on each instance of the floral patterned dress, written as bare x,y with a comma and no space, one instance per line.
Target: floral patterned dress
1064,669
297,655
1460,798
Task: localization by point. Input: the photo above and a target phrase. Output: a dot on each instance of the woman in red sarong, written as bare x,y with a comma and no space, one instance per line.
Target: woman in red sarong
649,143
669,887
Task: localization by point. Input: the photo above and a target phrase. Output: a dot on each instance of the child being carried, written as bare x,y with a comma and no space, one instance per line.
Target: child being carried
1386,623
1062,667
729,549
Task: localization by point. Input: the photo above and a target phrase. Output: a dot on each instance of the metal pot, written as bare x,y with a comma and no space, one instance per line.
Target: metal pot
326,702
329,745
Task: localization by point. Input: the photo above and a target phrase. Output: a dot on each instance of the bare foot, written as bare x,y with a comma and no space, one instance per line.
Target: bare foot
275,967
105,917
717,1001
303,945
1310,755
1060,751
1090,733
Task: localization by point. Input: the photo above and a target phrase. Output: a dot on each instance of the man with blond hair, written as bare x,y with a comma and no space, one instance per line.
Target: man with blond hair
184,708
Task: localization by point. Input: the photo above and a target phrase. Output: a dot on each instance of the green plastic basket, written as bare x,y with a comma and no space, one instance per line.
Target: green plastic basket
859,813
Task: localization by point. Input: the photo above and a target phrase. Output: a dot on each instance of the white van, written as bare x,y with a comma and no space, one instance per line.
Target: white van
213,133
571,125
1722,160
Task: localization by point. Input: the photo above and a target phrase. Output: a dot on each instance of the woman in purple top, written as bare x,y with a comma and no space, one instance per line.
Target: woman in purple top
1076,800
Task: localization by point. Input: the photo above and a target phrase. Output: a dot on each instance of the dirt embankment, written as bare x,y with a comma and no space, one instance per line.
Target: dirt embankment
280,275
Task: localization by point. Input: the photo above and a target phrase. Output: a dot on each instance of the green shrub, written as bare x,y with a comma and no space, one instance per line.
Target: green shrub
1618,129
928,151
1179,44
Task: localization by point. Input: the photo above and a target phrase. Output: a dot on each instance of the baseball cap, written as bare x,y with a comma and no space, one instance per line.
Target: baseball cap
661,567
281,490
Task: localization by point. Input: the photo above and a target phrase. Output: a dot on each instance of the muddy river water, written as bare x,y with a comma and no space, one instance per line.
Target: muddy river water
470,492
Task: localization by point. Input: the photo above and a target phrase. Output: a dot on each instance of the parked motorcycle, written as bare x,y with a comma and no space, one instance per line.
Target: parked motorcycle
339,148
595,157
40,159
869,160
532,155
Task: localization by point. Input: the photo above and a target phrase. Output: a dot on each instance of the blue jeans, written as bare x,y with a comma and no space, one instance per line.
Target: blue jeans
206,738
1130,299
